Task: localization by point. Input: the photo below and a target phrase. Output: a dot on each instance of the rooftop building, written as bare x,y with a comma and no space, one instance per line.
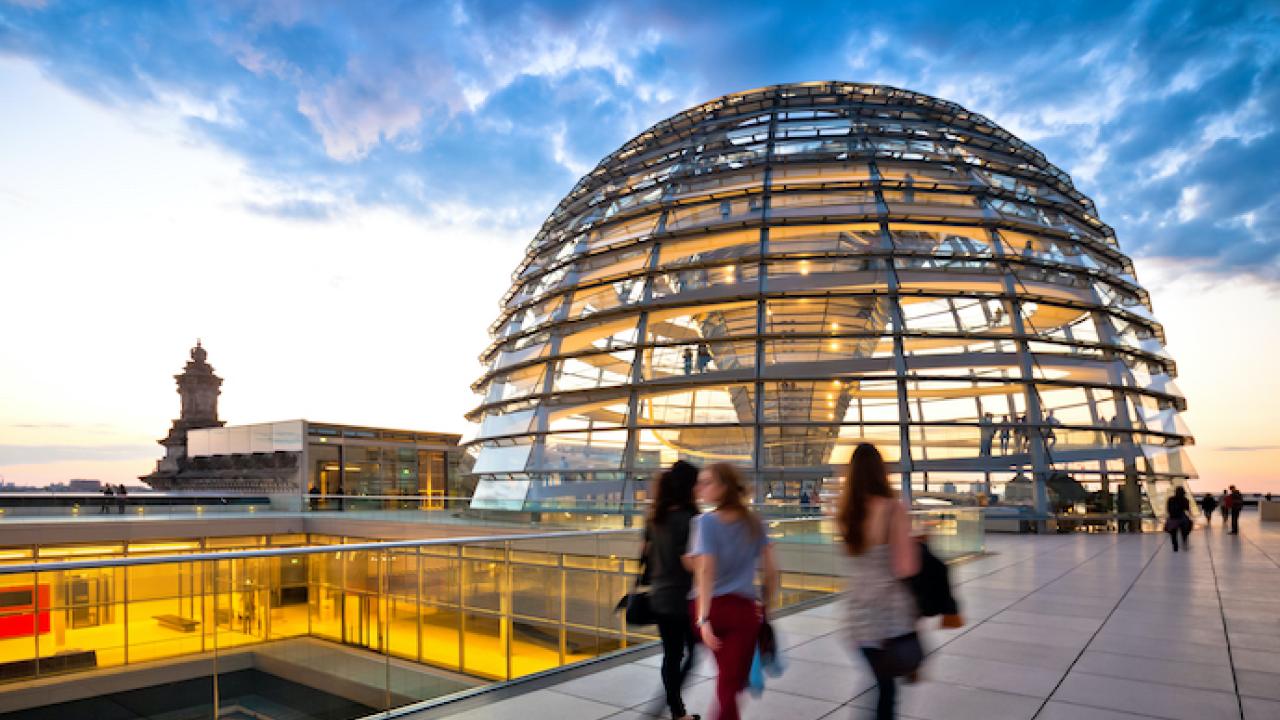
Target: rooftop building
295,457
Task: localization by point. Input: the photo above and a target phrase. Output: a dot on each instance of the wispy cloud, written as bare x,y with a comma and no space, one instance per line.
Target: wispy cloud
40,454
1163,111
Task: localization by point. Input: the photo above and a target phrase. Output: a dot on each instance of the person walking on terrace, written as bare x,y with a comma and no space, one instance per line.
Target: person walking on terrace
666,541
1005,433
1208,504
728,545
108,493
879,610
1178,518
1225,508
1237,504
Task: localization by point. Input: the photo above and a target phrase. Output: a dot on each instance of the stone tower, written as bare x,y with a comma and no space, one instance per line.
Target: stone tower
199,389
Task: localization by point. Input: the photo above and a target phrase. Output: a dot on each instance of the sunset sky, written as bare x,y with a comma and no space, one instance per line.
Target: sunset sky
333,196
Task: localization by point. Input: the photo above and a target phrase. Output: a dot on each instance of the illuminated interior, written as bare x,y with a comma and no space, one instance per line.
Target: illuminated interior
493,610
772,277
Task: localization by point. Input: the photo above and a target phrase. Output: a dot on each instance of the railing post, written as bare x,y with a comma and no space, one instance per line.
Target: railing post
215,634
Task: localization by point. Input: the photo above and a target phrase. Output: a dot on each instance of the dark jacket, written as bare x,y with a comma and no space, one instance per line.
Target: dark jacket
1178,507
1209,503
932,587
669,581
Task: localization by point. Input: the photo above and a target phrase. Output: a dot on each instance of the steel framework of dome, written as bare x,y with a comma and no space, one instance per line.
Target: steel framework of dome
776,275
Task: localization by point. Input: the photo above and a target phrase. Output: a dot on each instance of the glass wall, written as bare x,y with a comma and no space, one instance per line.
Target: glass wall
852,263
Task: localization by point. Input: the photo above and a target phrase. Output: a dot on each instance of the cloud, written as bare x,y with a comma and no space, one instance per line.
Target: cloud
1162,111
1247,448
44,454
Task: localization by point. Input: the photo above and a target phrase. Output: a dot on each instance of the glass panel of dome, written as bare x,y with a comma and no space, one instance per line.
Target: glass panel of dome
617,232
714,213
599,450
503,458
686,281
604,334
589,415
605,297
592,371
707,322
510,422
805,174
658,447
709,248
716,404
516,384
706,185
695,358
827,316
623,262
854,239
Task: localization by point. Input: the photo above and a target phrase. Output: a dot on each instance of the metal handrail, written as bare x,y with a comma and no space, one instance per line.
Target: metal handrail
303,550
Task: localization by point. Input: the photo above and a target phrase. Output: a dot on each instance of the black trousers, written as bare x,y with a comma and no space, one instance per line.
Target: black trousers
886,683
676,632
1184,530
1235,519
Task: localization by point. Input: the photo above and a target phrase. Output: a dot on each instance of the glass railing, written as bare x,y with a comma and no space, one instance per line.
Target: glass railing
380,625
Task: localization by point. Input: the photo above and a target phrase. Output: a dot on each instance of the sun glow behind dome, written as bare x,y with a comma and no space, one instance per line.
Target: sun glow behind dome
774,276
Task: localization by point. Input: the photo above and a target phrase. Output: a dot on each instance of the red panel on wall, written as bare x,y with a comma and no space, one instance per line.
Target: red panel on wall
17,604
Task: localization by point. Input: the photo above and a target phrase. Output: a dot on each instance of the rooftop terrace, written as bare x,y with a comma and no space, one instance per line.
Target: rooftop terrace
1068,627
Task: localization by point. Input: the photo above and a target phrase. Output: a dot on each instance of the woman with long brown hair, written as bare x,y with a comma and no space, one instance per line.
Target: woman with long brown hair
880,612
666,541
729,543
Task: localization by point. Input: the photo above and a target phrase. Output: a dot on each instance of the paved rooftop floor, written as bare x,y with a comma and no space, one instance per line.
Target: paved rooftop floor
1064,627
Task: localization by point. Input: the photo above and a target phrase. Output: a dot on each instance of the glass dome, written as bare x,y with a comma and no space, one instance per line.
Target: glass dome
774,276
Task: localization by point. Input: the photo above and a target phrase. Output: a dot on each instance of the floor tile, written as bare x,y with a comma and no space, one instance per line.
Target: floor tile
1066,711
1164,701
1258,684
1256,709
1018,679
942,701
1167,672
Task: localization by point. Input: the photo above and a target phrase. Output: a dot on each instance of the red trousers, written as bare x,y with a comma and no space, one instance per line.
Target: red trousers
736,621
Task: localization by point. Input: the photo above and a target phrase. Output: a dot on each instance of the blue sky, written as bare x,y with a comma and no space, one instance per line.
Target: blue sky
1165,112
333,195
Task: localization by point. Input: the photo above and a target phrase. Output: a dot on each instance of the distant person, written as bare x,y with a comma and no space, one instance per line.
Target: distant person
909,189
1022,434
704,357
1005,433
879,610
1118,430
1225,508
728,544
1106,434
1208,504
688,361
1237,504
1028,251
108,493
666,541
1267,497
1050,436
1178,518
121,492
986,433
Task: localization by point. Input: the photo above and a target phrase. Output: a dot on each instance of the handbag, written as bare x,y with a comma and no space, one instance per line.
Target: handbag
901,656
639,609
